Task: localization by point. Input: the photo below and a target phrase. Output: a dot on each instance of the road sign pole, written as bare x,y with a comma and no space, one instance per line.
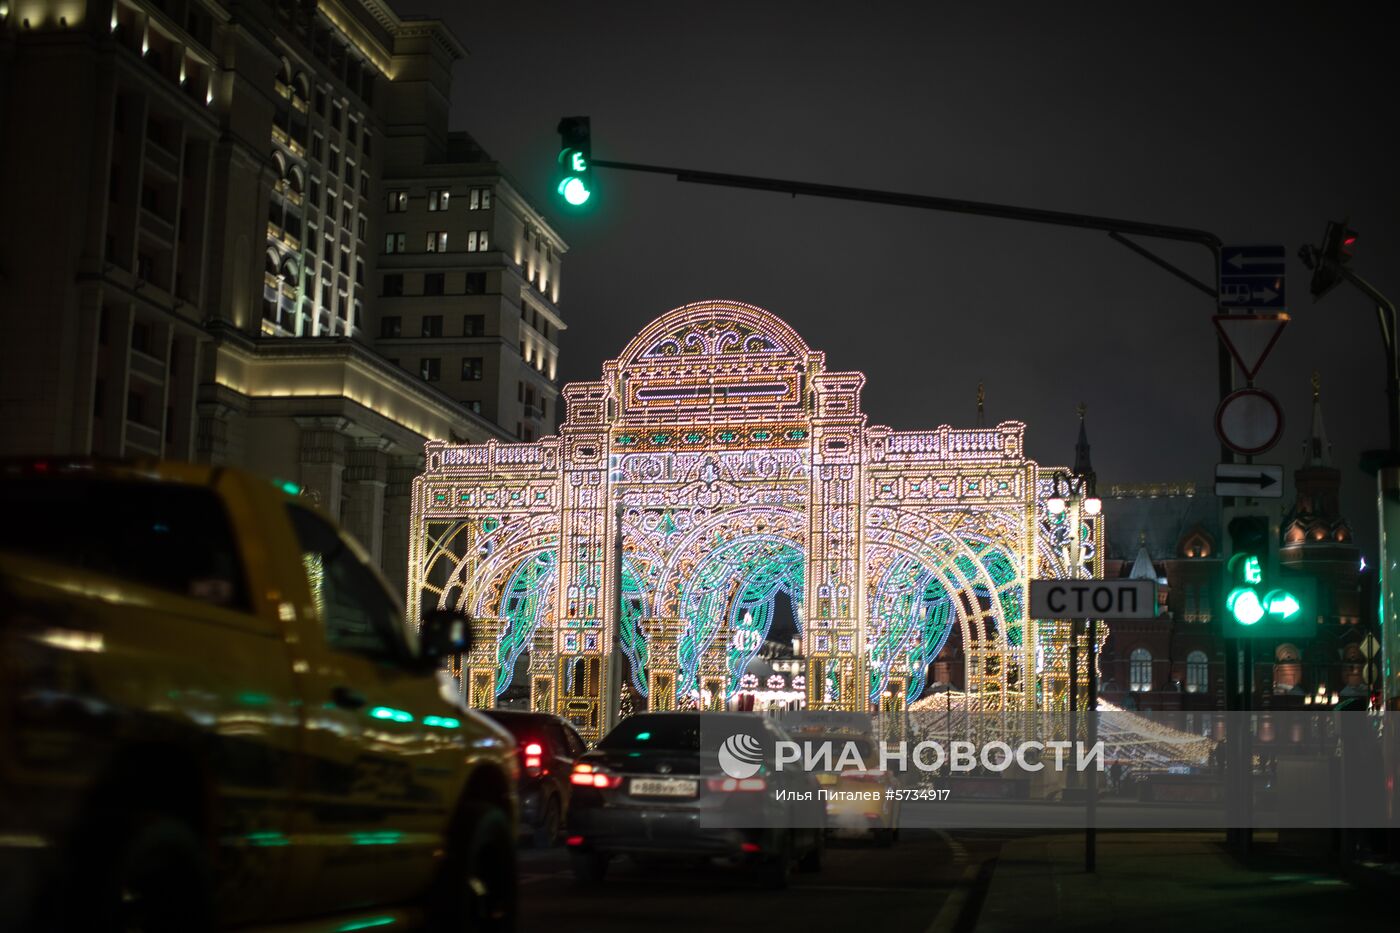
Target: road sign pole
1092,723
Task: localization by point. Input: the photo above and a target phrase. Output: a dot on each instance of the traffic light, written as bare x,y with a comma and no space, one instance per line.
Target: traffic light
575,177
1259,603
1338,244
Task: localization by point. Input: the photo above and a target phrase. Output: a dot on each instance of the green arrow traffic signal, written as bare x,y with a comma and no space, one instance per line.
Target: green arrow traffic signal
1283,604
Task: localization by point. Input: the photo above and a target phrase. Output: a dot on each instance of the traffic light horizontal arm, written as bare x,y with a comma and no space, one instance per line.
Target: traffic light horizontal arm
927,202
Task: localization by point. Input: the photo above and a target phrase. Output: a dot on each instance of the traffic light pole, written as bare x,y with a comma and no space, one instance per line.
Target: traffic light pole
1385,312
1116,227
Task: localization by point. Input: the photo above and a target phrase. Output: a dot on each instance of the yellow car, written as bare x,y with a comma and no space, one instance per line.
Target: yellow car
857,792
212,713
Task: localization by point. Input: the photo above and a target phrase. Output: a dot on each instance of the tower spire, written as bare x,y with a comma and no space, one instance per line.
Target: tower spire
981,404
1082,464
1317,449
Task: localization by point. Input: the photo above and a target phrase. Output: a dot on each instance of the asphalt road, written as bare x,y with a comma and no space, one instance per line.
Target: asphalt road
925,882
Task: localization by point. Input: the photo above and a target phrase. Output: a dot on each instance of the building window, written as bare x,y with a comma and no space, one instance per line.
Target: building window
390,326
438,198
479,199
474,325
359,271
432,325
477,241
543,408
473,405
393,242
433,283
337,113
365,146
321,101
398,202
430,368
360,228
333,163
1197,672
316,147
476,283
364,184
393,285
471,369
1140,670
313,192
437,241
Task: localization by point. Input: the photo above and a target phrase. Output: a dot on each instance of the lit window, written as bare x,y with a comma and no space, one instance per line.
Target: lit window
438,198
478,241
398,201
471,369
1140,670
394,242
437,241
430,368
1197,672
479,199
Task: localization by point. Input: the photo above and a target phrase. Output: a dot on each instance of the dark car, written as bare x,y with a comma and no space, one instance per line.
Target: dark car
548,746
648,790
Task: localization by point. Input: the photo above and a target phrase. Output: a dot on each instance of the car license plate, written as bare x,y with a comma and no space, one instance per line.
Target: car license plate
661,787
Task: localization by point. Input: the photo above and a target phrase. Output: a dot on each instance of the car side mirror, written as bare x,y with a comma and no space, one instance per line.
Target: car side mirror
443,633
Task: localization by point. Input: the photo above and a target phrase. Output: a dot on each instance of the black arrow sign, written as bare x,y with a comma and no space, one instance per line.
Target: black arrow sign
1263,480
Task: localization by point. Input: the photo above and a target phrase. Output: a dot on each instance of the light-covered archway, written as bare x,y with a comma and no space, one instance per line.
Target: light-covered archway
737,466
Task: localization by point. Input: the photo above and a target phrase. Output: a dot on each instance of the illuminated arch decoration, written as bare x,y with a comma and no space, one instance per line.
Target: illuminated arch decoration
726,464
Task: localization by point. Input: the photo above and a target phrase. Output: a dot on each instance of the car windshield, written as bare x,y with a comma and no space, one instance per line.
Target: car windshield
519,726
670,732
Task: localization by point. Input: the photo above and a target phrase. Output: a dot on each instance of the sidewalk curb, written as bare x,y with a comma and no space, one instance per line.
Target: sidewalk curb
961,910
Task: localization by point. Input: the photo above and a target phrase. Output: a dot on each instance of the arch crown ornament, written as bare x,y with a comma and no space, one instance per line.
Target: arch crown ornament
732,467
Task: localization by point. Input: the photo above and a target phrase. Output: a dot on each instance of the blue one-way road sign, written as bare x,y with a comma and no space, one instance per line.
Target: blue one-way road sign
1252,277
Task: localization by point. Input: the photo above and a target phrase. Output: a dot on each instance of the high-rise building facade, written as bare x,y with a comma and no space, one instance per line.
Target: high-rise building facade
213,215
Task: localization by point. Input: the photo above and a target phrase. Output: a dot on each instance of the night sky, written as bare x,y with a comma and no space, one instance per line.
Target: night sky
1258,122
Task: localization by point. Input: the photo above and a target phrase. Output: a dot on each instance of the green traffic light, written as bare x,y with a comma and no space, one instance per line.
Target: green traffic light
1244,605
574,191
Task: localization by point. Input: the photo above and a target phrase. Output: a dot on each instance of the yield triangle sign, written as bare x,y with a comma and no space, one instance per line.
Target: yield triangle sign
1250,337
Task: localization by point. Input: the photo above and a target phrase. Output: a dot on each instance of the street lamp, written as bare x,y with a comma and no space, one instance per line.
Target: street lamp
1072,495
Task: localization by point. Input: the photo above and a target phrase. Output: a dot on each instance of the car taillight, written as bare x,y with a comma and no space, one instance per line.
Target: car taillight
585,775
532,753
732,785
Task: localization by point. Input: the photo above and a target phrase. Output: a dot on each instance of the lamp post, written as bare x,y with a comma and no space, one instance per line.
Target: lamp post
1073,496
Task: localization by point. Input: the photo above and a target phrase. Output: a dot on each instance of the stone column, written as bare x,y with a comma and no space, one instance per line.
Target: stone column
322,461
397,506
366,474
